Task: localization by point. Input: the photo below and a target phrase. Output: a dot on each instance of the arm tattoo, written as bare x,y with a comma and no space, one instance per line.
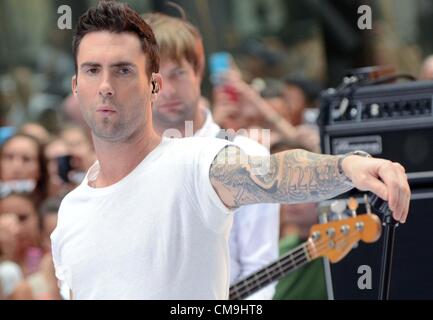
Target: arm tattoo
287,177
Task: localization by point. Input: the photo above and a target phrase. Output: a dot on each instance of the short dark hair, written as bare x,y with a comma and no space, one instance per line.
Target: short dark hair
116,17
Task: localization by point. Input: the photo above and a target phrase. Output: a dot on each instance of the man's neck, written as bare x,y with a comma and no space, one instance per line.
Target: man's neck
117,160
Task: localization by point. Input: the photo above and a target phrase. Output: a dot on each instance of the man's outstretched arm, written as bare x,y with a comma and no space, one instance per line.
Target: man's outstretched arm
301,176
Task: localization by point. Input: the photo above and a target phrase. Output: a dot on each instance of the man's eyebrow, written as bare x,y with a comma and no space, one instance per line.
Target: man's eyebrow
123,64
89,64
116,65
176,68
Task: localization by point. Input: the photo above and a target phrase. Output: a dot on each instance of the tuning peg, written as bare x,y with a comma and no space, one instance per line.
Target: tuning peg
352,204
338,207
323,214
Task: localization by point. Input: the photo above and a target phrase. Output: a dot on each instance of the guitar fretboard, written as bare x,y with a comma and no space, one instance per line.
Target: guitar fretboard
287,263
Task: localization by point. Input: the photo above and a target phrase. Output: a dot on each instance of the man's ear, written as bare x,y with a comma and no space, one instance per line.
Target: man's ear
74,85
156,85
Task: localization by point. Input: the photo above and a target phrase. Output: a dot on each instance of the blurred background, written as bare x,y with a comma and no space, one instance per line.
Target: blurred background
317,40
286,51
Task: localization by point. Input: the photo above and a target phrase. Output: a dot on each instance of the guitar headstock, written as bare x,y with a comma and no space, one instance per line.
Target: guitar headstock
336,238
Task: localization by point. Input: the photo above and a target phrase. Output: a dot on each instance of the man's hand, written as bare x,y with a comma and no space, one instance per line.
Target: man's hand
225,112
384,178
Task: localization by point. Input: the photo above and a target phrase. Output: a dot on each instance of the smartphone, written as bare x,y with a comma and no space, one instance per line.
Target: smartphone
6,133
64,167
220,63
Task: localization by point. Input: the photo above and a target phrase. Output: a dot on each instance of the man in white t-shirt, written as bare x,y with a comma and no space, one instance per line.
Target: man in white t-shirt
151,219
254,235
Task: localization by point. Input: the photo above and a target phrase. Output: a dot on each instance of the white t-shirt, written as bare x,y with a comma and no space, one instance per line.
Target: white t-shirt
159,233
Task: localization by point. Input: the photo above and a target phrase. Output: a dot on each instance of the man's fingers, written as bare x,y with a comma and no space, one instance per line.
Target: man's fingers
405,209
402,198
388,181
388,174
394,177
405,193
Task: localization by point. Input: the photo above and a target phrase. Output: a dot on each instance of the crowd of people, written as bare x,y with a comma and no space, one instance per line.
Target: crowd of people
40,164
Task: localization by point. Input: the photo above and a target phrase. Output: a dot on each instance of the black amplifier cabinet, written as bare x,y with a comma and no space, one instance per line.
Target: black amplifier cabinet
395,122
357,275
391,121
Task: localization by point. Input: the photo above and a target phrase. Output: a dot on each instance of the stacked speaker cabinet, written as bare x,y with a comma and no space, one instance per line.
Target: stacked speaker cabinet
395,122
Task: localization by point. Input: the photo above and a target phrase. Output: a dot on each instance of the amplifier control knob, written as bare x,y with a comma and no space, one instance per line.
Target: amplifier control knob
353,113
374,110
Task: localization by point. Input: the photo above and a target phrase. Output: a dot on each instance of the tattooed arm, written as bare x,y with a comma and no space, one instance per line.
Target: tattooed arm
286,177
295,176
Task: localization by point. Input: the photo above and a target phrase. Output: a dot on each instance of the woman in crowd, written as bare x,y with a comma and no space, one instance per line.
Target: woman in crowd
22,160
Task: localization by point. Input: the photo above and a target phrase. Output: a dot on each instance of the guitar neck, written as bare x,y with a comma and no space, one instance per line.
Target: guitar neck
289,262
